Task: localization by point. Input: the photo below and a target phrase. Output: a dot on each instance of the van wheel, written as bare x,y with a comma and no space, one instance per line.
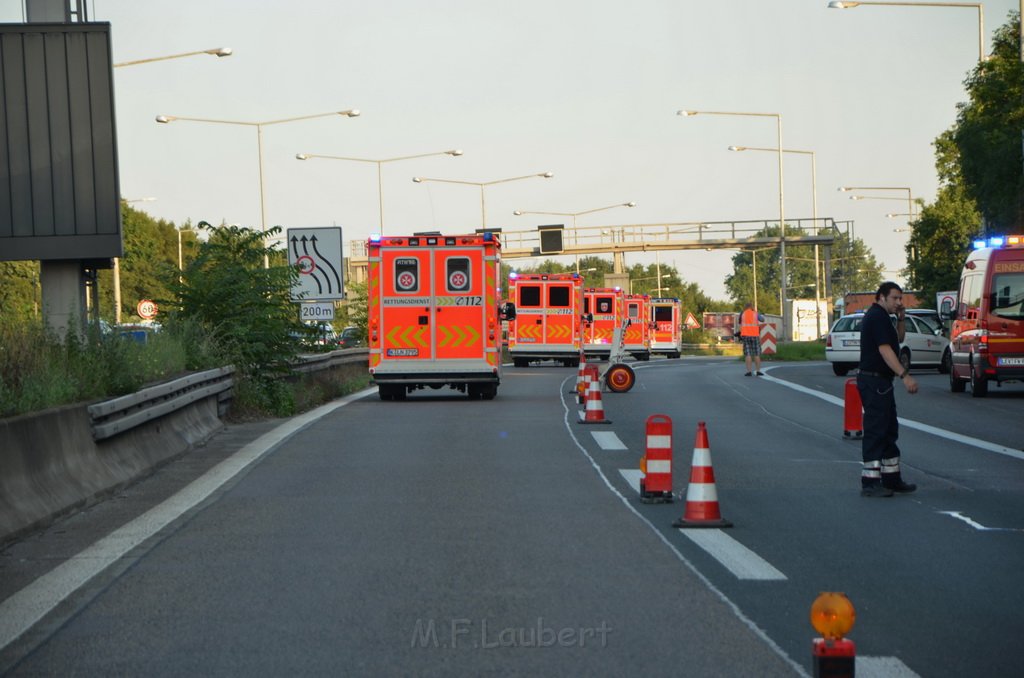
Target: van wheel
520,362
956,385
979,384
905,358
840,369
947,362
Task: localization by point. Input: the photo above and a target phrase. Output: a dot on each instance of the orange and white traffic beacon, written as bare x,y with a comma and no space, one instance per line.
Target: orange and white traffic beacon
433,313
549,308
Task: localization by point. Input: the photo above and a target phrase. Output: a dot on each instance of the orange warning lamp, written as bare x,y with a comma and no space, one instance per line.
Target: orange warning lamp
832,615
643,464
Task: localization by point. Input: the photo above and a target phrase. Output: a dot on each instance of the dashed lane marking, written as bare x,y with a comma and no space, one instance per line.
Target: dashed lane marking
734,556
608,440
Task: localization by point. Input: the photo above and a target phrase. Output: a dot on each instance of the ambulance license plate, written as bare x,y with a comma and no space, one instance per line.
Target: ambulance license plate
1010,361
402,352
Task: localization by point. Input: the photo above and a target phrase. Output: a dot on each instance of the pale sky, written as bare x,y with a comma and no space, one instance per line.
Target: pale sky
587,89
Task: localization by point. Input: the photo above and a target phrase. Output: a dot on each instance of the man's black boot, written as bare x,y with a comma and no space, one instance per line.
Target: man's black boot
875,490
901,487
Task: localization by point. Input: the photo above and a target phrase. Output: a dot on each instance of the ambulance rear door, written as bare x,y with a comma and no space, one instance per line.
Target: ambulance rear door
561,318
460,301
406,306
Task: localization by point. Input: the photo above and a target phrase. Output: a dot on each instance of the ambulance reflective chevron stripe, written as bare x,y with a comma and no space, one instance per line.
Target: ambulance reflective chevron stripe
455,336
407,337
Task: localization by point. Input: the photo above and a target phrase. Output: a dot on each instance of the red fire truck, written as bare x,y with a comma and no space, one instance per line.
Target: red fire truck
606,310
433,313
548,313
637,336
666,337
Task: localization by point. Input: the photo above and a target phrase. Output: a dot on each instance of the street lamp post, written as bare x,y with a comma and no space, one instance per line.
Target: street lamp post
836,4
165,119
380,194
216,51
482,185
814,215
910,195
519,213
782,202
659,278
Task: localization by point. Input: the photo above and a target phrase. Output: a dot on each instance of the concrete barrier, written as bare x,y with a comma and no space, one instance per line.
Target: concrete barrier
55,462
50,465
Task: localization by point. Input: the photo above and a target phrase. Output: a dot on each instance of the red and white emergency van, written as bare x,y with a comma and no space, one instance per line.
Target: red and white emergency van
549,308
605,308
637,335
433,313
666,333
986,338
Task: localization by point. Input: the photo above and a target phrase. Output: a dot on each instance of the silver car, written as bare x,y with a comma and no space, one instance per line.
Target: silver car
923,345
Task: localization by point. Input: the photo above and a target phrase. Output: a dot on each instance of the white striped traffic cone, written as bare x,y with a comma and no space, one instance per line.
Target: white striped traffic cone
594,408
701,496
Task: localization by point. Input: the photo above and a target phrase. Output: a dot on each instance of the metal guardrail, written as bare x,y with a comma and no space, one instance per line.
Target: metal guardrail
111,417
314,362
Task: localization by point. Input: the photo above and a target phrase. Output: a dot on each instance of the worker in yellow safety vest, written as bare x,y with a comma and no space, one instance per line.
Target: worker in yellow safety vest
750,335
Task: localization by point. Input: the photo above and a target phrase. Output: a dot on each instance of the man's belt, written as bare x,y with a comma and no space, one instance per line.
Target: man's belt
867,373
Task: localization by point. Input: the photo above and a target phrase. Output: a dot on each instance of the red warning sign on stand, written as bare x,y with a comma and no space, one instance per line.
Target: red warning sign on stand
691,322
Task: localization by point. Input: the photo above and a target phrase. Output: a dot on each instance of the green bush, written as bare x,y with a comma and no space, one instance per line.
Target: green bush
798,350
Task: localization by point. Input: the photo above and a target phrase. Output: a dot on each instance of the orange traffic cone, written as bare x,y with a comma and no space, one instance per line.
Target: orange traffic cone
581,380
701,496
594,409
853,415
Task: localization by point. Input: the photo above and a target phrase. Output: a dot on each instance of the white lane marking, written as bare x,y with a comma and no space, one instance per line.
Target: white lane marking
909,423
26,607
978,526
734,556
882,667
737,612
608,440
633,477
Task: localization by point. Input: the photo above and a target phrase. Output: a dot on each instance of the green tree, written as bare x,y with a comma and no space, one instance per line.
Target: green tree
853,268
19,290
988,131
941,237
247,307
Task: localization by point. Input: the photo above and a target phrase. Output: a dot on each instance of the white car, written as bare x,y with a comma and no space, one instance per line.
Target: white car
923,345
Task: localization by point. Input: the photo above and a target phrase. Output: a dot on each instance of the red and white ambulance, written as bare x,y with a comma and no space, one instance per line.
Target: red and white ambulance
549,308
637,335
666,334
433,313
986,339
605,308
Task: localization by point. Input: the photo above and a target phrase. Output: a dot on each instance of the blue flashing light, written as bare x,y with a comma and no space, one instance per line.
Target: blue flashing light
978,244
375,237
513,275
488,236
996,241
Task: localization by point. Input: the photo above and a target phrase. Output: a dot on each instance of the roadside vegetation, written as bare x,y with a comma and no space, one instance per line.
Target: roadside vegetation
223,308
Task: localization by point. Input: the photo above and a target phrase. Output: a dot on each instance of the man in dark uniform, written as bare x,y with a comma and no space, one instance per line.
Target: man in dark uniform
879,364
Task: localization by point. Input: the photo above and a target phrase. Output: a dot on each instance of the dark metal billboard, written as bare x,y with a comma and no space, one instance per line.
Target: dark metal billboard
59,188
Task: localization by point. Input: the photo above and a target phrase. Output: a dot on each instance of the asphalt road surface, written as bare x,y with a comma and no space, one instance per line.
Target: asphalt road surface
441,536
